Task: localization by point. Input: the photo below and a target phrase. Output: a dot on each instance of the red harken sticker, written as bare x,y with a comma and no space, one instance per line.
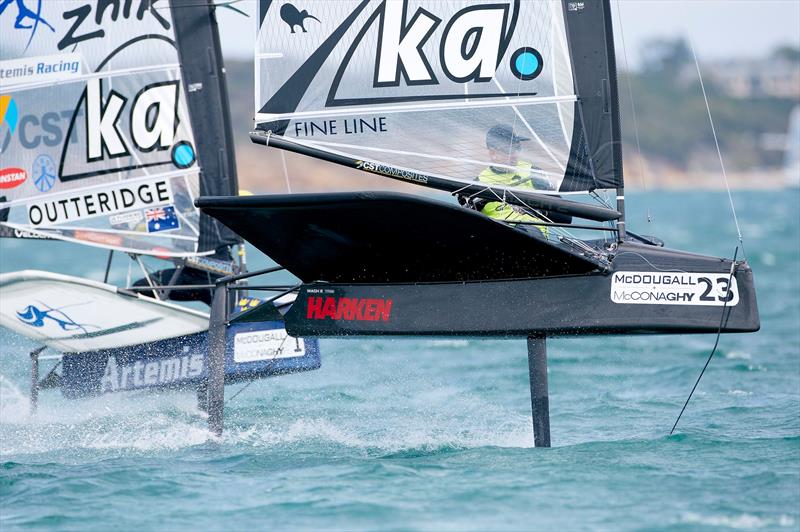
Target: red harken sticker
12,177
349,308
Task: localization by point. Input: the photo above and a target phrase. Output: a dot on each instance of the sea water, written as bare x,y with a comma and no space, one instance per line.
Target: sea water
435,434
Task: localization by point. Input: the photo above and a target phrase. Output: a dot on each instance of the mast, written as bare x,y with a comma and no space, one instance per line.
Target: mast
199,49
616,130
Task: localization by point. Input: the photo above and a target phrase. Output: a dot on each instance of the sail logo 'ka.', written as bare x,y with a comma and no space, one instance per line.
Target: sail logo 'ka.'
417,85
103,137
94,112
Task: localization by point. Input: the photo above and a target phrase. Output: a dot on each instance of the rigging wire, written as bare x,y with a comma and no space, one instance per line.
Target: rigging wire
283,163
108,265
716,143
286,172
633,110
268,368
240,390
605,202
147,275
716,342
650,263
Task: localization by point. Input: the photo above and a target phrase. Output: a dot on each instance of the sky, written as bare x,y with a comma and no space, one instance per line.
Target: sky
717,28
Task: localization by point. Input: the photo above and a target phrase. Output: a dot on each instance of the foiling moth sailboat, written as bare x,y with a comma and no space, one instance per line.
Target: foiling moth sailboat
511,105
114,119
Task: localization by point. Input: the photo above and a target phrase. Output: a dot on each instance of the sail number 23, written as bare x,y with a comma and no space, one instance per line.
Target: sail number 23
721,293
668,288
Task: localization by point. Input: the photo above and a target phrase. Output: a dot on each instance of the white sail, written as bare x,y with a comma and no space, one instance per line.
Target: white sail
94,126
419,84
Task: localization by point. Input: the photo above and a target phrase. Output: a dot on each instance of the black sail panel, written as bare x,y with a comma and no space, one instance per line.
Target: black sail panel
596,153
347,237
204,77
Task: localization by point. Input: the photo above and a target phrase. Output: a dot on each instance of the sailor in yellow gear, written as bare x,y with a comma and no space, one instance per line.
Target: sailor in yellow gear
504,148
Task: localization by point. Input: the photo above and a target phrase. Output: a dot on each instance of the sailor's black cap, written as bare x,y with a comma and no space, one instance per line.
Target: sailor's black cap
502,137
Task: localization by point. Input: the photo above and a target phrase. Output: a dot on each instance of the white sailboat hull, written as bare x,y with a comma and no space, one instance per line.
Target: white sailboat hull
71,314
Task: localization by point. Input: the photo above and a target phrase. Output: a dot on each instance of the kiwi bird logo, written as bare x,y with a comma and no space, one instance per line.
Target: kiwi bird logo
294,17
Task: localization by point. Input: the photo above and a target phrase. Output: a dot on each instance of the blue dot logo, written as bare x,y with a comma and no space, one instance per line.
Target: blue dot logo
526,63
183,155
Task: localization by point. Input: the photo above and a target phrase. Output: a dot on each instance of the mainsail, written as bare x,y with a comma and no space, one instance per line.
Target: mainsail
410,89
96,128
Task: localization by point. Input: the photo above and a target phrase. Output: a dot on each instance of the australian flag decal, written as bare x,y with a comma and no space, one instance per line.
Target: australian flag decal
161,219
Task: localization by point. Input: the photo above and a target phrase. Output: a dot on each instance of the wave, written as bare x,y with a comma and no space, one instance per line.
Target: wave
739,522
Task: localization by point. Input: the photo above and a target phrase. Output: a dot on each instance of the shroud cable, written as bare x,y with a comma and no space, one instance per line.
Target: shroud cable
716,342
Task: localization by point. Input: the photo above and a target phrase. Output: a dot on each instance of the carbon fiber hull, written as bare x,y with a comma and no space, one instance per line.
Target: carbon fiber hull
693,301
394,264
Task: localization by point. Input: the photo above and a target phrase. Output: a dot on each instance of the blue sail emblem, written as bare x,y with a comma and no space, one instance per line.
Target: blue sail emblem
26,18
35,317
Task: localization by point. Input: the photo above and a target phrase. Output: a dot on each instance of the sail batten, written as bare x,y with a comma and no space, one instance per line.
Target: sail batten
467,102
105,74
503,82
115,232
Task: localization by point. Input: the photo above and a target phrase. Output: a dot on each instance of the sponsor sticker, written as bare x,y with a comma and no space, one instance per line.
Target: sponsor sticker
247,303
40,69
110,200
343,126
391,171
12,177
266,345
9,113
348,308
44,173
107,239
119,376
212,265
667,288
131,218
21,233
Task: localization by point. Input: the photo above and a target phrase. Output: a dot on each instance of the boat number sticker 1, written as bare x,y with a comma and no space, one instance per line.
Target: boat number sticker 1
266,345
668,288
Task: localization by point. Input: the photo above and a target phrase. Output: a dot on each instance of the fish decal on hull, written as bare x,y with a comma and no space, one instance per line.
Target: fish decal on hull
35,317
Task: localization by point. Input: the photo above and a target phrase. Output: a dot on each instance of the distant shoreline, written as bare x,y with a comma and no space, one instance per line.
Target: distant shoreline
262,170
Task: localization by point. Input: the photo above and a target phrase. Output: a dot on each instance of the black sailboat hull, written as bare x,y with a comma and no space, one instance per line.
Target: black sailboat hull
393,264
561,306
